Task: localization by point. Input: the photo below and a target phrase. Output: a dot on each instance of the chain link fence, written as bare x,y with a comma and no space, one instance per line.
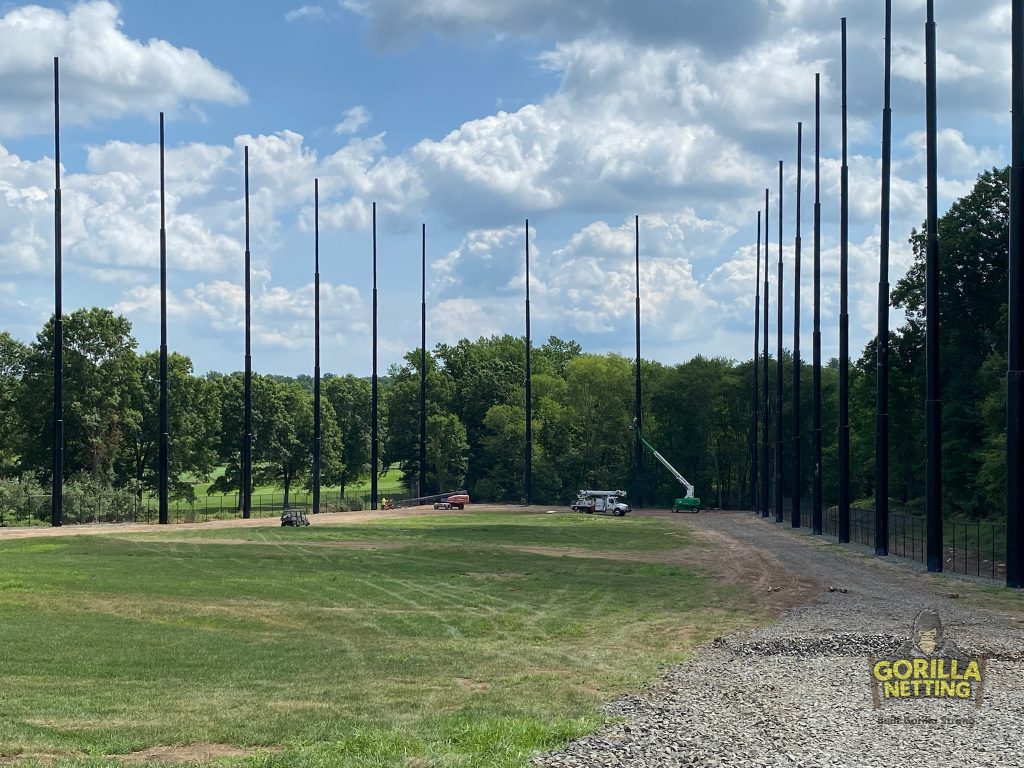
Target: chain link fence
973,548
34,509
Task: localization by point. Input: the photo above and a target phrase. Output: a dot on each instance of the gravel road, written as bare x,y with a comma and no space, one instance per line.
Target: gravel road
797,693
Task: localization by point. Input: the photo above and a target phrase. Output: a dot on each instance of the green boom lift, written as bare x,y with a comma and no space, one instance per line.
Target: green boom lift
689,502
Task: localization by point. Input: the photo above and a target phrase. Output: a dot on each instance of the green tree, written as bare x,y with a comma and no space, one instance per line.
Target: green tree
101,389
599,409
267,412
973,289
285,450
557,353
402,414
447,452
192,425
349,399
503,445
12,367
550,393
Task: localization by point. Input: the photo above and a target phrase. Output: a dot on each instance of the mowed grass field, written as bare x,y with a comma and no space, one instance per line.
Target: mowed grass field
458,640
389,482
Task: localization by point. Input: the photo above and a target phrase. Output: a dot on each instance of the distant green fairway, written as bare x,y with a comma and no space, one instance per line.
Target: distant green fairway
421,641
390,482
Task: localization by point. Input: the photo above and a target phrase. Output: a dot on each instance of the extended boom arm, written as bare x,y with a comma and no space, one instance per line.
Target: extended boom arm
686,483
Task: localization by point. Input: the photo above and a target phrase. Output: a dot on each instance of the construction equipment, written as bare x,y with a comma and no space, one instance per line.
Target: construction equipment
607,502
455,501
689,502
441,498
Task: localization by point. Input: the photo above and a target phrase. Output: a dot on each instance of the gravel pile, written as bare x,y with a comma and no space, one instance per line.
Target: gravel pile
797,693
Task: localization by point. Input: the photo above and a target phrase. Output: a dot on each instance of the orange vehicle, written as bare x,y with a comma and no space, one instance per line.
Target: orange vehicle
455,501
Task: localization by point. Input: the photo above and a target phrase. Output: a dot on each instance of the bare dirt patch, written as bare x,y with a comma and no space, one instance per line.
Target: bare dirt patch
474,686
37,758
772,585
292,705
188,753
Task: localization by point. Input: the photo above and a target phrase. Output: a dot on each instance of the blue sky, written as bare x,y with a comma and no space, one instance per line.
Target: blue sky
469,115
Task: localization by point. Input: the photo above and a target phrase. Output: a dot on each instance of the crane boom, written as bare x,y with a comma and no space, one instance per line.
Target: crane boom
675,473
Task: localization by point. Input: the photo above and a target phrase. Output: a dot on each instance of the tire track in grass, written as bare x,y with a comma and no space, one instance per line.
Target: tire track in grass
367,582
455,589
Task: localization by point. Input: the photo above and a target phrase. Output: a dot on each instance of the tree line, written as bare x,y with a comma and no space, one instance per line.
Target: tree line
697,413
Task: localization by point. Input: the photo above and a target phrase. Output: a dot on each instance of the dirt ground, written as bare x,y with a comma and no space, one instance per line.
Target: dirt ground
188,753
324,518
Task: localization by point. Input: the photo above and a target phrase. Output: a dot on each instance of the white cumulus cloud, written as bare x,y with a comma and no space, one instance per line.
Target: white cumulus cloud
104,73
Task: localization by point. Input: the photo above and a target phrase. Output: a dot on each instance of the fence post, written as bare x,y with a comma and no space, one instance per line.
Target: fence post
992,532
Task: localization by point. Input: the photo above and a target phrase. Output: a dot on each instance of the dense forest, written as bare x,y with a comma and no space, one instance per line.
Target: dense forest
698,413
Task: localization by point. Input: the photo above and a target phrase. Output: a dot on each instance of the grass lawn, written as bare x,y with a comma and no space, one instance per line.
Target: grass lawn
388,483
410,642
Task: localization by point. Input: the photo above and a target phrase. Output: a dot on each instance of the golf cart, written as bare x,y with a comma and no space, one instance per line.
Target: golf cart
294,518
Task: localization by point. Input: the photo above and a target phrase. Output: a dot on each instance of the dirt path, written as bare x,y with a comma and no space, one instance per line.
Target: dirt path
324,518
730,560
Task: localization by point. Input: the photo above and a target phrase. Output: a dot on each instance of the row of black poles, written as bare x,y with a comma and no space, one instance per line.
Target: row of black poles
816,503
56,499
933,381
374,394
1015,408
246,468
882,419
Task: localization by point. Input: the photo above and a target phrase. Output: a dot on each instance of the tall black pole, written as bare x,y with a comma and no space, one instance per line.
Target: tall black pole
1015,354
57,493
164,439
816,501
778,375
529,382
844,326
765,409
423,360
247,442
882,387
933,385
373,379
757,352
797,474
638,466
317,438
